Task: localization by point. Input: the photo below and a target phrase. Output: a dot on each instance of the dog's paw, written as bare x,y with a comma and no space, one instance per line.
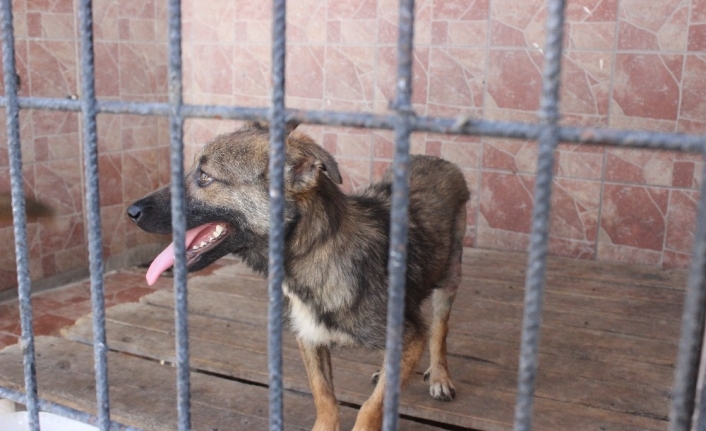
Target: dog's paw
375,377
440,386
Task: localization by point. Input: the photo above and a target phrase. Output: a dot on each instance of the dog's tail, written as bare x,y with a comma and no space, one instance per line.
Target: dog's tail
33,208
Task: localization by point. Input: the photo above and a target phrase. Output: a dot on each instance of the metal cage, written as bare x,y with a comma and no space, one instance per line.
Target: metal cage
403,122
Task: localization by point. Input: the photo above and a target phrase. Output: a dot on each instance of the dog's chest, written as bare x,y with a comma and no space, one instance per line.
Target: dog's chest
307,327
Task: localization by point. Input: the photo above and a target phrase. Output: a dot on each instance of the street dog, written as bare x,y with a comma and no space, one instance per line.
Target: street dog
336,251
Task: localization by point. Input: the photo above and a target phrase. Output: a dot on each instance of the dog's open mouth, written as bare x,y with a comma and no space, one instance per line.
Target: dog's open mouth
198,241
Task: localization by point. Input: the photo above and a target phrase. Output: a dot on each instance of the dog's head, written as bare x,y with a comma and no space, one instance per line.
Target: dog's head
227,196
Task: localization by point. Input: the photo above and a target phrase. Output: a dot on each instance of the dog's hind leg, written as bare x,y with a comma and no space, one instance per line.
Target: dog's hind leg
370,414
317,360
440,385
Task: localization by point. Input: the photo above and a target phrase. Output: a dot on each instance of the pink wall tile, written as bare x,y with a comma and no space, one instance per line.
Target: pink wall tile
105,19
213,23
697,37
628,64
214,74
349,73
506,201
653,26
633,223
111,181
647,85
681,222
304,21
579,161
510,155
517,23
514,79
143,70
587,83
460,23
139,175
575,209
693,105
640,167
305,73
52,68
356,173
386,72
251,65
456,77
58,183
590,24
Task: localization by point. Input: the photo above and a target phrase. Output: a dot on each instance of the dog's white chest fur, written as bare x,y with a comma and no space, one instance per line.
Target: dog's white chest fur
304,324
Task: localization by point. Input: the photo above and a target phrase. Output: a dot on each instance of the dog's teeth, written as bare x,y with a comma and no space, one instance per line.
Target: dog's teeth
218,231
203,243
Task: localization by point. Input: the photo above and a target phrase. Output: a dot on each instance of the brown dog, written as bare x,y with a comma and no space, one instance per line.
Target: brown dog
336,251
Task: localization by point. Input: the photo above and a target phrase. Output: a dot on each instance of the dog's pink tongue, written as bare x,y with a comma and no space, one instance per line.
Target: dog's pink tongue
165,260
161,263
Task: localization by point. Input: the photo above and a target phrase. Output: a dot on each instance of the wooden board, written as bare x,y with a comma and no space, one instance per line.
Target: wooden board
603,363
143,392
608,345
140,329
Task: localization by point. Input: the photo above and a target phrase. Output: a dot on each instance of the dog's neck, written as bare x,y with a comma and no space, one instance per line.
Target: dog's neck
323,214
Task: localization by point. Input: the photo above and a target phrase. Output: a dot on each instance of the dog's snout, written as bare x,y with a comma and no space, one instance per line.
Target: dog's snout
134,211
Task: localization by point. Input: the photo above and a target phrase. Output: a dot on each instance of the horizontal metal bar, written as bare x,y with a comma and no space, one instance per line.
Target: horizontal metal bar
61,410
456,126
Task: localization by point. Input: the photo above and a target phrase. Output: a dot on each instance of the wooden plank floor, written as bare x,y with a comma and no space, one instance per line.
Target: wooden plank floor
608,346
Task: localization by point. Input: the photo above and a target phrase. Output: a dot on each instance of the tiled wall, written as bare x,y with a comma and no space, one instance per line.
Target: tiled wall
627,64
130,43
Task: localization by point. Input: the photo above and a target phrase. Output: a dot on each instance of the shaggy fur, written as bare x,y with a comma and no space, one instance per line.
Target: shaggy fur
336,251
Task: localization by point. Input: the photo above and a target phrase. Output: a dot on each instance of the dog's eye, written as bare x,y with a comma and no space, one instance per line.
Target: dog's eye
204,179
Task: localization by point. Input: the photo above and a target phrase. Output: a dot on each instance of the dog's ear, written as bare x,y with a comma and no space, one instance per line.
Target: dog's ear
265,126
306,163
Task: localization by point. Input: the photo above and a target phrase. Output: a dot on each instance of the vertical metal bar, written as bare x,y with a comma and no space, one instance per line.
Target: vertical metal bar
397,263
692,328
701,416
276,241
534,284
18,213
176,134
95,247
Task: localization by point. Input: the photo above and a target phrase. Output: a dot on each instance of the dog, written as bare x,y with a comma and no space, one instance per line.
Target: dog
336,251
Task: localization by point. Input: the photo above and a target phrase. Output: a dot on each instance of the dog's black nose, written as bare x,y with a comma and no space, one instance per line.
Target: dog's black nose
134,212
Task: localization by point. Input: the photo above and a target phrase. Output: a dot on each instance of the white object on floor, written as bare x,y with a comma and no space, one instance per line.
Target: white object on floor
6,407
19,421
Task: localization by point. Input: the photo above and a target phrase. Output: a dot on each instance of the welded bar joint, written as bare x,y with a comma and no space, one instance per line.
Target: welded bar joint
536,266
18,214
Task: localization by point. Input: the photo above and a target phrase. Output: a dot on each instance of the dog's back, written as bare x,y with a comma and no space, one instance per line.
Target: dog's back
437,197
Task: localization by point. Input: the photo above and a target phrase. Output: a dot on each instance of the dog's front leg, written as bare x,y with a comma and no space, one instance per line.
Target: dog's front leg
317,360
370,414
